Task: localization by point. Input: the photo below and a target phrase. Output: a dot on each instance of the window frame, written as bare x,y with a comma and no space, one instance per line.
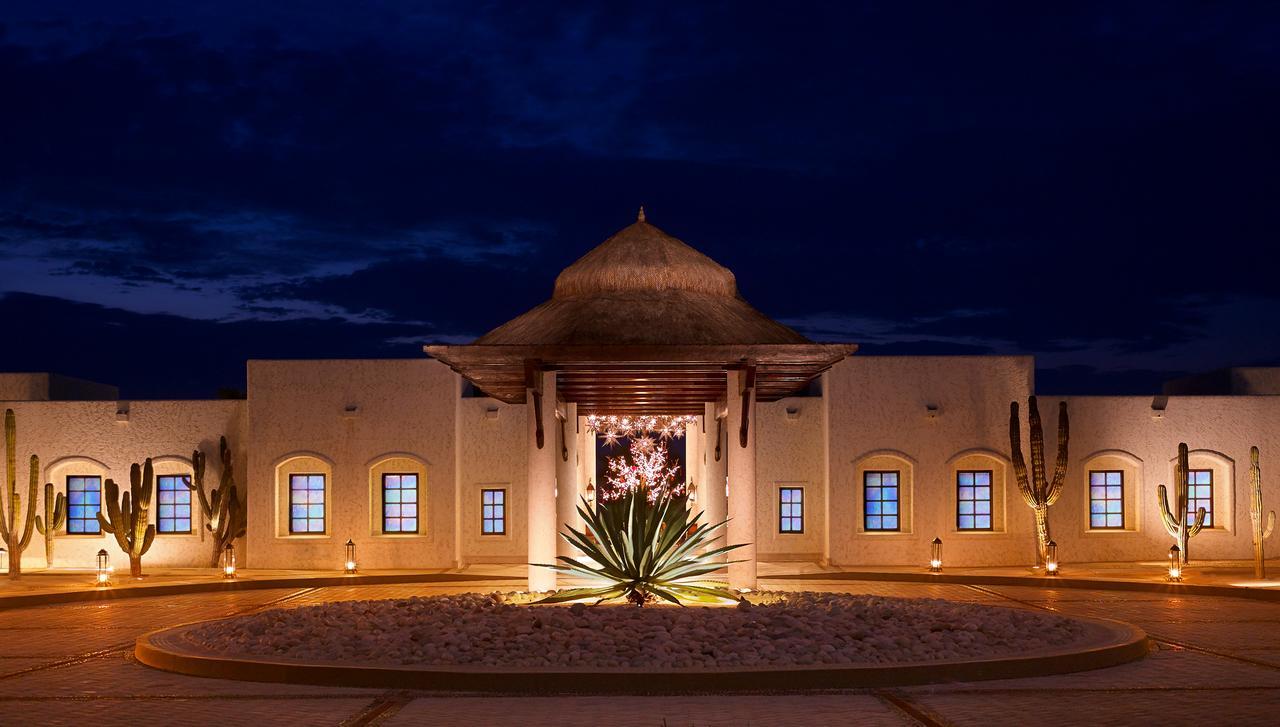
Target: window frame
793,503
97,531
502,519
1191,510
897,501
990,500
324,478
1124,515
190,518
417,494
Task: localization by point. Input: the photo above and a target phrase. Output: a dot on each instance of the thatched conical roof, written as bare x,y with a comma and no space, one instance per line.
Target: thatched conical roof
643,286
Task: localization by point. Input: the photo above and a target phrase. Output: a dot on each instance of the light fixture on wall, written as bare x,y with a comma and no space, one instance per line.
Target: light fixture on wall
103,569
935,556
349,566
4,559
1175,564
229,561
591,493
1051,559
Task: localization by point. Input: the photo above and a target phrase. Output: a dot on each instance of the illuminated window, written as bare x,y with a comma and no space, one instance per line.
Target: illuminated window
400,503
84,500
880,500
306,503
791,509
493,512
174,513
1200,494
973,500
1106,499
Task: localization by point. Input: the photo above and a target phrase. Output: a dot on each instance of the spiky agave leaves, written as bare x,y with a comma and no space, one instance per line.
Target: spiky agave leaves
643,550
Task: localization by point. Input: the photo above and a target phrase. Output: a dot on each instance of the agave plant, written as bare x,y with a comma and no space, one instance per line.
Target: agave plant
644,550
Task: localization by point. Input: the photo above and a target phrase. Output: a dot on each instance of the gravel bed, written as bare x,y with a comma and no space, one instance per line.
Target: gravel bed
778,630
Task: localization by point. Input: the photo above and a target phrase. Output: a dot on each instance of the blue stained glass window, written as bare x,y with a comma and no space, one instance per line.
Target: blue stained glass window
791,509
493,512
173,513
306,504
84,500
973,500
400,503
1200,494
880,500
1106,500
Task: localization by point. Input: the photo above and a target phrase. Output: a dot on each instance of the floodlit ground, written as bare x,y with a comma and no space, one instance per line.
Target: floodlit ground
1218,662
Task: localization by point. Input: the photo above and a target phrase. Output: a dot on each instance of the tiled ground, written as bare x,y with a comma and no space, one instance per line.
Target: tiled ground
71,665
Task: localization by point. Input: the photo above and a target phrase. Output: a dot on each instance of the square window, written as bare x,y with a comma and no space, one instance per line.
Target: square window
174,515
400,503
493,516
306,504
791,509
84,492
973,500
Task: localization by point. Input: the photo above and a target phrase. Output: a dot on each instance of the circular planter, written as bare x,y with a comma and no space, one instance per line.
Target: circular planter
1110,644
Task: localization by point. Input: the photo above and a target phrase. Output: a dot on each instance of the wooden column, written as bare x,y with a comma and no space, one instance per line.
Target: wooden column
741,450
540,489
567,487
711,493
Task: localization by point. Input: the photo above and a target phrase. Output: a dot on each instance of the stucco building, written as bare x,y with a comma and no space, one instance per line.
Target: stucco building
476,453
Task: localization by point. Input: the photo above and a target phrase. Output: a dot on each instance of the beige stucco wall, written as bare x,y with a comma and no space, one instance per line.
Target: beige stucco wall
492,454
879,415
788,454
347,419
91,438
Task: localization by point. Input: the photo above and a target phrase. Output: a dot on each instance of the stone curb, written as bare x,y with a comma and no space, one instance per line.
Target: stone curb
1093,584
24,600
168,650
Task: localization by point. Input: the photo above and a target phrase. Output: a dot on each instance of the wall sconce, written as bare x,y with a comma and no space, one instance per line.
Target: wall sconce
229,561
931,411
491,412
349,567
591,493
1175,564
4,559
793,413
935,556
103,569
1051,559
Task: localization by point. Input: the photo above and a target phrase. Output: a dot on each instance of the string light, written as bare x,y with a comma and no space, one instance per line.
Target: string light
614,427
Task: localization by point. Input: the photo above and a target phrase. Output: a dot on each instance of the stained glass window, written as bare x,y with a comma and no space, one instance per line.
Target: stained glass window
493,512
1106,499
306,503
973,500
84,500
880,500
400,503
1200,494
173,515
791,509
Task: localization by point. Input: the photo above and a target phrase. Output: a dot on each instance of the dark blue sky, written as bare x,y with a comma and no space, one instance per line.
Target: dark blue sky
187,185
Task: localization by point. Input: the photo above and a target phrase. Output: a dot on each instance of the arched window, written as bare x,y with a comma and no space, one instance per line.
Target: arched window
303,503
977,487
883,487
1112,483
397,495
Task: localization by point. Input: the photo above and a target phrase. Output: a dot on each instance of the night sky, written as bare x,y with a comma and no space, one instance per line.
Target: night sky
184,186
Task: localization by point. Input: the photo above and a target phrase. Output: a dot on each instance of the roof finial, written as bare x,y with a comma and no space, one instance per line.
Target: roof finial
640,217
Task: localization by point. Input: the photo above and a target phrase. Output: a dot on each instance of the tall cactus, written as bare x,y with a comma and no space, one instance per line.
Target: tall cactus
1260,532
224,513
127,518
1038,491
1175,520
16,542
55,514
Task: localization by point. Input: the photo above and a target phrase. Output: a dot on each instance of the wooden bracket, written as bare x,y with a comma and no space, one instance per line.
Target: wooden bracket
748,384
719,434
564,448
533,381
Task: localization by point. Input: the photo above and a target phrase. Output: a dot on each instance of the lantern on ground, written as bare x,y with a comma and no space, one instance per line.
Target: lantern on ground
935,556
229,561
350,565
1175,564
103,569
1051,559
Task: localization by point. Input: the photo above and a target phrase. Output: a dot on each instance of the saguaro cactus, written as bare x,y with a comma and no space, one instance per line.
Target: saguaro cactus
1175,520
55,514
16,542
1038,491
127,518
1260,532
224,513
